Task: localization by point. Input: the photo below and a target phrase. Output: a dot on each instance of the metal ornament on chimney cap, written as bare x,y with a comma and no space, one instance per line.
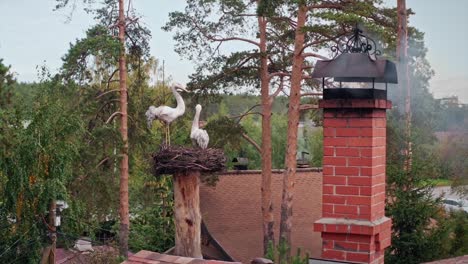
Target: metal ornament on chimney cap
355,71
357,43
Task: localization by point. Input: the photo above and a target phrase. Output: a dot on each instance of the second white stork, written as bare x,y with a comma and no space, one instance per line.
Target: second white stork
199,136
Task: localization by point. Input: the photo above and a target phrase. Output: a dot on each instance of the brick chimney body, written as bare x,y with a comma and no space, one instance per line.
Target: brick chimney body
353,225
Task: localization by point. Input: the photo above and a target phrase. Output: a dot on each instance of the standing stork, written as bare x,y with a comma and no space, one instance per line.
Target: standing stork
168,114
199,136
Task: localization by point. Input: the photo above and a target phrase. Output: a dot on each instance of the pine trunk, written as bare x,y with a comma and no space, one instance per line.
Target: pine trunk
267,204
293,122
404,78
401,46
187,214
123,208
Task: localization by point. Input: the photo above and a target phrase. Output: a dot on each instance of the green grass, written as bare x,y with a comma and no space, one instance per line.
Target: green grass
439,182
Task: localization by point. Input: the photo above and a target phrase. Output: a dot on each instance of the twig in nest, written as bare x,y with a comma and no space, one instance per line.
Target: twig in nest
174,159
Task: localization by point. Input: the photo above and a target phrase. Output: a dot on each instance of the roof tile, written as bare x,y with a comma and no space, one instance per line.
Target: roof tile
148,257
232,212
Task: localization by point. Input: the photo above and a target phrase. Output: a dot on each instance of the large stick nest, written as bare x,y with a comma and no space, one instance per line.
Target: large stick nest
177,159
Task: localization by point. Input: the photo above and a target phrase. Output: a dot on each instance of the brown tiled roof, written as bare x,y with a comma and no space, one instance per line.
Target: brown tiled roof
148,257
232,212
458,260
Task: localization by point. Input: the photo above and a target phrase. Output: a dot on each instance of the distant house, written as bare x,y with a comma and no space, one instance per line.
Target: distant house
232,216
451,101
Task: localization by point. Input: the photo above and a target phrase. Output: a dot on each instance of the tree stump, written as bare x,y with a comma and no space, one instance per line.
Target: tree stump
187,214
187,164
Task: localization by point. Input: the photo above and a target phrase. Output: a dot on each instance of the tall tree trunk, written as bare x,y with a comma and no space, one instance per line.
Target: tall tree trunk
123,209
293,122
401,46
403,74
187,214
267,204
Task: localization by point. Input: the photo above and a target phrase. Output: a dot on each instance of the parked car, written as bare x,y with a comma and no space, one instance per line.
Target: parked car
455,205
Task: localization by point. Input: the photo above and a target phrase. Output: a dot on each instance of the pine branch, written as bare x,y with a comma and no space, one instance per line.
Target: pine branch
113,116
251,141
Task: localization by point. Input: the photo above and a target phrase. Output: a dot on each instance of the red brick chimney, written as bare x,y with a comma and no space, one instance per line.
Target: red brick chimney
353,224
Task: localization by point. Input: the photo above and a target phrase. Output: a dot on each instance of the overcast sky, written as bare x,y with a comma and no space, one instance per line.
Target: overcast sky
32,34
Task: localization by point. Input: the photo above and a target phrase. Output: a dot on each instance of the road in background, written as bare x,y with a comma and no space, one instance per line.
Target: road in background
445,191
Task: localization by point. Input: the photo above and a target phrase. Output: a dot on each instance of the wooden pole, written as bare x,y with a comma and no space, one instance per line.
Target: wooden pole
187,214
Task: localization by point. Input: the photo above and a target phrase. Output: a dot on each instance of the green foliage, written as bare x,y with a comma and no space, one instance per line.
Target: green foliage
227,133
268,8
204,13
7,79
153,226
219,68
106,14
414,238
445,237
100,45
420,231
252,127
459,245
224,132
452,146
205,26
315,144
88,177
95,189
278,253
279,124
37,165
452,118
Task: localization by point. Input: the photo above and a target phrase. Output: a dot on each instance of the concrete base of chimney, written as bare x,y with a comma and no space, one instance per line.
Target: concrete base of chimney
358,241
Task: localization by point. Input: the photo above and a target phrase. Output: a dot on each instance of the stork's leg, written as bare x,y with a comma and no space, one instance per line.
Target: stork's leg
164,124
168,142
169,133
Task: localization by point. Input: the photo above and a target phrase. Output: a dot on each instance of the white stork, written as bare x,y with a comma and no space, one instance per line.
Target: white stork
199,136
168,114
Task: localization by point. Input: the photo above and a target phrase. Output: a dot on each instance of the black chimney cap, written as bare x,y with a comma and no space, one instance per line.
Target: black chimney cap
356,67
